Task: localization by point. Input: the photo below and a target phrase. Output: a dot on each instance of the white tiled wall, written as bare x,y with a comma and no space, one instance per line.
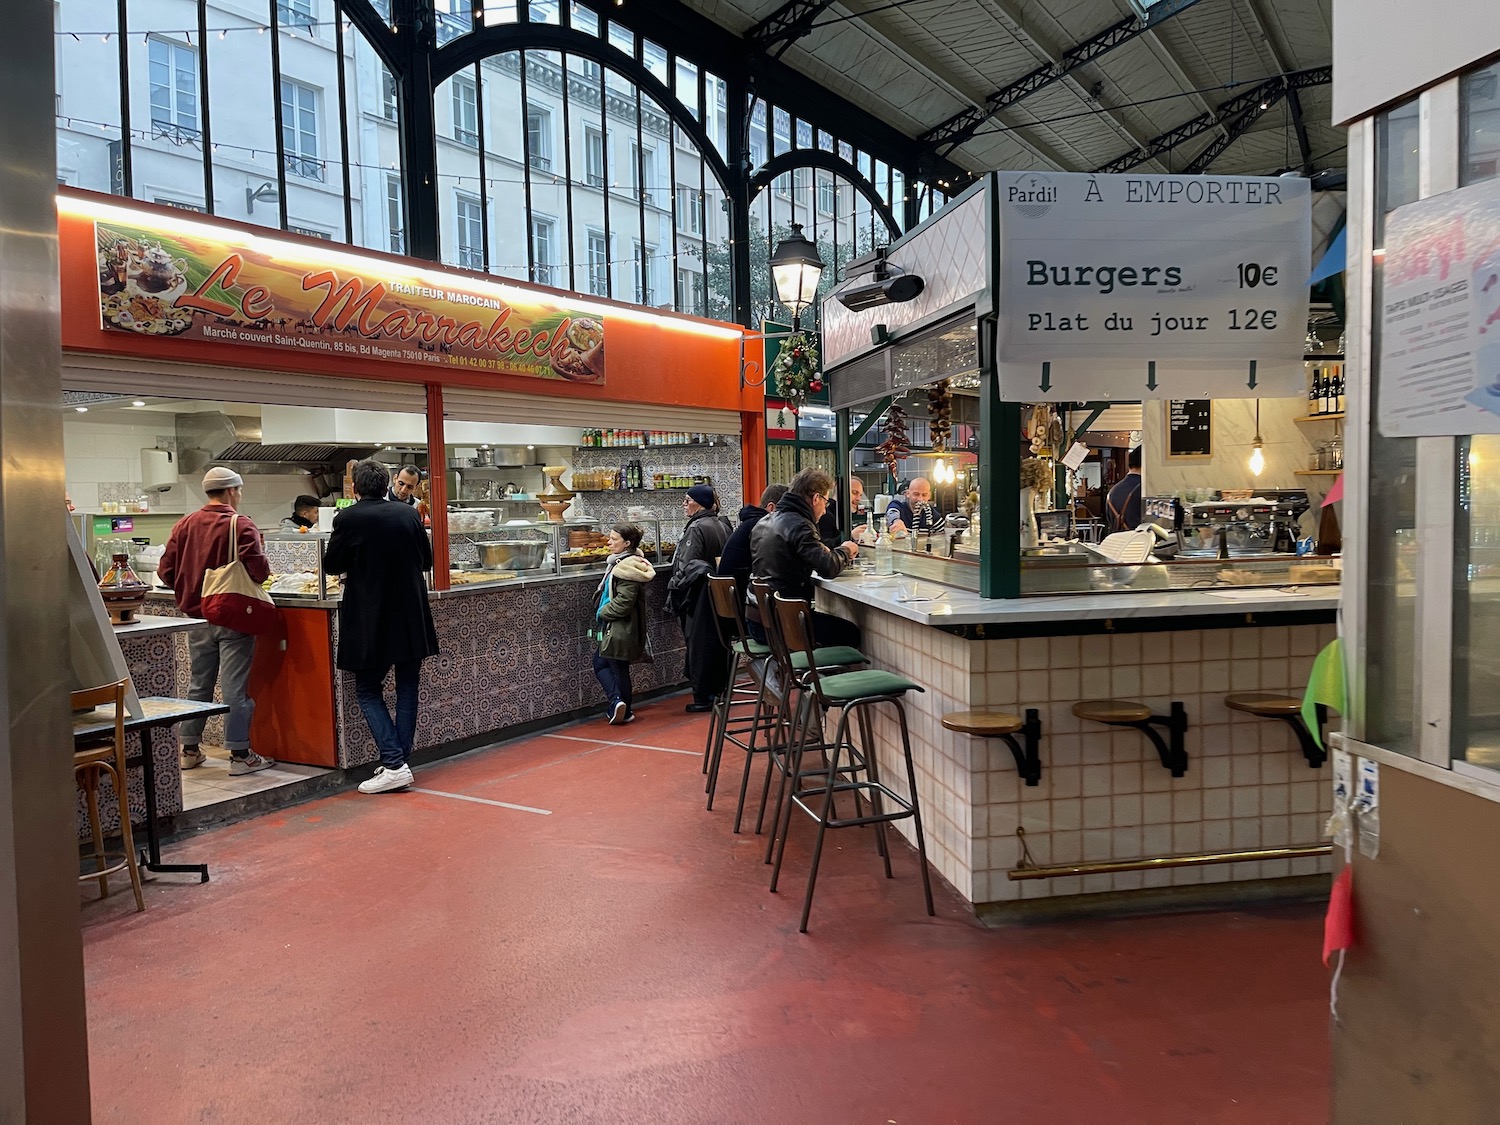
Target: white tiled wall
1104,794
103,461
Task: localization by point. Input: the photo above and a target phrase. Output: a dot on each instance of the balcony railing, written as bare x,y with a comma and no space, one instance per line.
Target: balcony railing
306,167
595,179
466,137
470,258
398,242
539,162
177,134
544,274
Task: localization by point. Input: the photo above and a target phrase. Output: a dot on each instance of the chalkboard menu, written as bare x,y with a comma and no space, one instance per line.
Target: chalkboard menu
1190,427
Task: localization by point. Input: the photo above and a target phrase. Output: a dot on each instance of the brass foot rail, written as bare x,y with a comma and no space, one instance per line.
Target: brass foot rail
1155,863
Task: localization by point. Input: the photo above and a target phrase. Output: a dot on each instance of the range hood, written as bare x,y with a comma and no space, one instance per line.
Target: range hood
212,437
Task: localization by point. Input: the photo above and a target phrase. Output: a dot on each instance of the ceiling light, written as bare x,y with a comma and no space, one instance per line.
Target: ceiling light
139,402
81,409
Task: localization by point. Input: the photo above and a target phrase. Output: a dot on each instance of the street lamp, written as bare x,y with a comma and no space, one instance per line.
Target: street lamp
796,269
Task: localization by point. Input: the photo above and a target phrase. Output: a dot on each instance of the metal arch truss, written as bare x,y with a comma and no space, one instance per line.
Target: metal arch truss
786,25
829,162
1234,116
962,126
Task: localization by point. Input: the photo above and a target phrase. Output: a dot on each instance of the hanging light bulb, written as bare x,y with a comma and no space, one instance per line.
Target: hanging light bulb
1257,458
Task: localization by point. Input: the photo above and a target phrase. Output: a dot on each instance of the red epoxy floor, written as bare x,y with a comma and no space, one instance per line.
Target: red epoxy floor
423,960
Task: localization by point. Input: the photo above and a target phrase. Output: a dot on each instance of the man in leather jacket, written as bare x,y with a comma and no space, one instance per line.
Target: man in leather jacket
786,552
698,550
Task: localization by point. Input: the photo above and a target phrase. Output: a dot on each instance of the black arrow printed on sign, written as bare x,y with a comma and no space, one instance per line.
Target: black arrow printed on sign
1046,377
1151,376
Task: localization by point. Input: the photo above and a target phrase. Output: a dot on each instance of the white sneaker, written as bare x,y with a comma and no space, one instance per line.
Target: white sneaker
238,767
192,757
386,781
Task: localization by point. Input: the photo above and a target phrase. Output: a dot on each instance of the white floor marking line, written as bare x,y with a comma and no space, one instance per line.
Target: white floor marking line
483,801
663,749
626,742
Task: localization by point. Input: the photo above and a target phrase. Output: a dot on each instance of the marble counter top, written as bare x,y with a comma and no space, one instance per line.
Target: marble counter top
955,607
152,625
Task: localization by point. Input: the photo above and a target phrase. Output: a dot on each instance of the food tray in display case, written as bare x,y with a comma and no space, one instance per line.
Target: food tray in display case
297,566
520,549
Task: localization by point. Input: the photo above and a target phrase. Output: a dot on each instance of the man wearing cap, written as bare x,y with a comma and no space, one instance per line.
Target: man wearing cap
200,542
698,551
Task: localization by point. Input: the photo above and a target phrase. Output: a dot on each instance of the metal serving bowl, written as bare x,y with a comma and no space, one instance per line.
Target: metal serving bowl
513,554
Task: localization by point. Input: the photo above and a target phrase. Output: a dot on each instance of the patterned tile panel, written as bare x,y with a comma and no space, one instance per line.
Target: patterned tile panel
154,664
510,655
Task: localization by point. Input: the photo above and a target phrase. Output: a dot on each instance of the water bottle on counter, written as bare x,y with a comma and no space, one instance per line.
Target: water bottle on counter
885,561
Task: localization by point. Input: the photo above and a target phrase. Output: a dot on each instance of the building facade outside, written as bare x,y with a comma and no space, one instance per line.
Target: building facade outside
578,169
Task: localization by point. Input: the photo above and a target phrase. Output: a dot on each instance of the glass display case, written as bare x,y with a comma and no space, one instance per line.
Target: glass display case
483,552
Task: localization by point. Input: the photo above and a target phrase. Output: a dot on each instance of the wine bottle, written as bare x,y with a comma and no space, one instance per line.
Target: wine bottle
1338,392
1312,393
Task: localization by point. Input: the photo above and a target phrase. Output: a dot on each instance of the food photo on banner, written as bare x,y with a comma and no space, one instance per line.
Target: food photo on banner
1136,286
182,280
1439,371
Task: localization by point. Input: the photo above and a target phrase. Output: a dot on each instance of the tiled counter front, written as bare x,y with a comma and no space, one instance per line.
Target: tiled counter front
159,666
511,655
1103,794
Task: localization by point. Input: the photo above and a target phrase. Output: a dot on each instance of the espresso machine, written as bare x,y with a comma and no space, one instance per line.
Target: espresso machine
1264,524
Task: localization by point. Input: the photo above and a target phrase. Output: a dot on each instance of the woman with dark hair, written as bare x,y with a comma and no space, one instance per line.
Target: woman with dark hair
620,619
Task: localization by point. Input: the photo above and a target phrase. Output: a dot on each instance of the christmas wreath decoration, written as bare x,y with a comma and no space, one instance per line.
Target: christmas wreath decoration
796,372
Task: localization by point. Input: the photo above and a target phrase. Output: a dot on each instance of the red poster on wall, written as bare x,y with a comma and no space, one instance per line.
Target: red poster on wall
264,292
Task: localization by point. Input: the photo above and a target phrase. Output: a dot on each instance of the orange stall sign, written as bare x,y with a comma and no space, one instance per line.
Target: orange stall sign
175,283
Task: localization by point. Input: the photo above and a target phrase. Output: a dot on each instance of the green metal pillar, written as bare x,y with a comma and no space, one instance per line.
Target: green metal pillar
999,480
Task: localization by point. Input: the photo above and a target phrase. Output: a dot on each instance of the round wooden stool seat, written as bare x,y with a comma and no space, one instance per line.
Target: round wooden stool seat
1266,704
1116,712
985,724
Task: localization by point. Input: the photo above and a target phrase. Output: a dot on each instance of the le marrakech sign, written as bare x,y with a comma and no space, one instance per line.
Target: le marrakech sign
1127,287
175,282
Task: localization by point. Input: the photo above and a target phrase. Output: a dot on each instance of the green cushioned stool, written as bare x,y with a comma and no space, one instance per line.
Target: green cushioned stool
834,656
840,765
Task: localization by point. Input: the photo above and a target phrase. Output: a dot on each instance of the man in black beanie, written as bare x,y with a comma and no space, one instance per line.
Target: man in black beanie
698,551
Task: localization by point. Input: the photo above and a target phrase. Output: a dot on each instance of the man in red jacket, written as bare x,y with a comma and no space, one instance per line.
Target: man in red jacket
198,543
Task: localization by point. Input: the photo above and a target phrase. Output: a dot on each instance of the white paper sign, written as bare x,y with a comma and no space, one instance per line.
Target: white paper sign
1076,456
1127,287
1440,316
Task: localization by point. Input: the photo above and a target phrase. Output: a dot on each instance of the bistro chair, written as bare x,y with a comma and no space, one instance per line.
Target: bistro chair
856,694
89,764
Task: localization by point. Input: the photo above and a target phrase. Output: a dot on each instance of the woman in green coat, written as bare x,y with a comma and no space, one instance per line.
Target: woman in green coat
620,619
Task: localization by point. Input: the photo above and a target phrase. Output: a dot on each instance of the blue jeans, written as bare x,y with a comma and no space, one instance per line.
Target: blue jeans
614,678
221,656
393,738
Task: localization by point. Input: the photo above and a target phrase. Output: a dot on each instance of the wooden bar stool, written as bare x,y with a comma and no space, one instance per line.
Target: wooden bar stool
1003,725
1129,713
88,764
1287,708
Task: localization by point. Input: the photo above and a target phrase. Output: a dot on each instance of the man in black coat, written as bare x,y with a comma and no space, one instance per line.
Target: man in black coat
787,552
735,561
698,549
382,550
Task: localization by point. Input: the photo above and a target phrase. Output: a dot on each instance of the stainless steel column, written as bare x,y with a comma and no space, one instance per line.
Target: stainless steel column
43,1033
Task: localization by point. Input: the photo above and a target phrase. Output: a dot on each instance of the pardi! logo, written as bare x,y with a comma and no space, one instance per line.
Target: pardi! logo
1031,195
